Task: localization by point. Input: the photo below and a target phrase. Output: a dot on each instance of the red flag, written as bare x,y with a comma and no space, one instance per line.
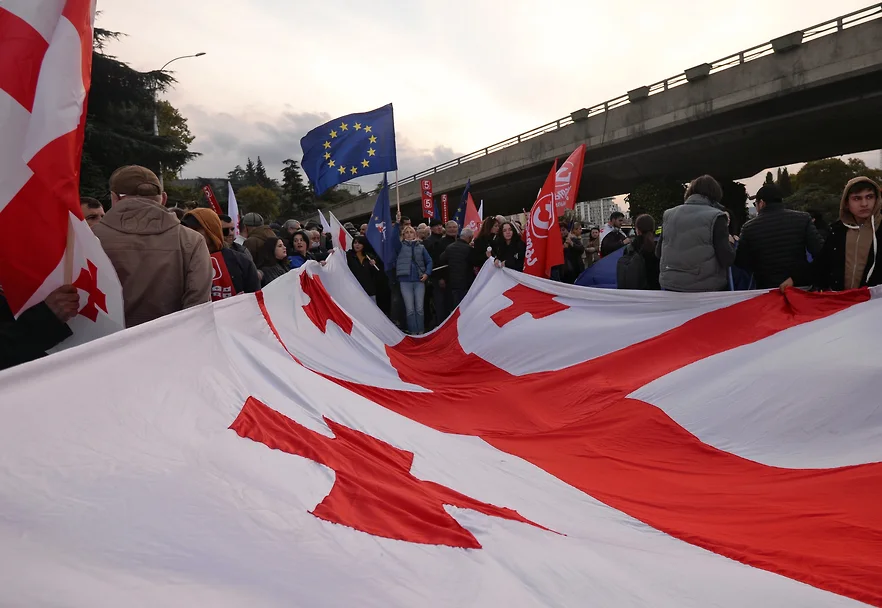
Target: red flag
212,199
444,210
566,181
544,246
472,219
339,236
45,76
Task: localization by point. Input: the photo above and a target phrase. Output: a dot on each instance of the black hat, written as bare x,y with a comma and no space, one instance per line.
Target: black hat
769,193
436,222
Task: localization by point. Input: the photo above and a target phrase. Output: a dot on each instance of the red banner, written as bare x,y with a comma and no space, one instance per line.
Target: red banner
566,181
544,245
428,199
445,215
212,200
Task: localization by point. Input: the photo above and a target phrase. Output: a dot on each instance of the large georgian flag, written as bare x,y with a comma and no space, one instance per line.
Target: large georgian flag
45,73
548,446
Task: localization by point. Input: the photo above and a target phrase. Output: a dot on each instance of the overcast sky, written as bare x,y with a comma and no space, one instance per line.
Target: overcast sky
462,74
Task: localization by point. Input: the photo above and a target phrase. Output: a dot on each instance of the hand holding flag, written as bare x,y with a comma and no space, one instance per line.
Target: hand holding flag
348,147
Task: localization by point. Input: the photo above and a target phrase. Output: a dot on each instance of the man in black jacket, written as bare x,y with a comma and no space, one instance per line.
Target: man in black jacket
435,245
37,329
773,245
460,272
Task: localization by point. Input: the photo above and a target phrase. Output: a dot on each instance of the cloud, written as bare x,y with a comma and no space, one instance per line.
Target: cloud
226,140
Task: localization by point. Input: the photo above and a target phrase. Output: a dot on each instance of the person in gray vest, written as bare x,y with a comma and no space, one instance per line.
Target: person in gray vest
695,248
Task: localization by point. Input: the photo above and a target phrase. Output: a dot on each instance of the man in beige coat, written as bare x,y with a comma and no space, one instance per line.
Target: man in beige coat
163,266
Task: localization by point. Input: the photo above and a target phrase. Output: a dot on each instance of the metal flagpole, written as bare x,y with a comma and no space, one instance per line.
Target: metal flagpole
397,193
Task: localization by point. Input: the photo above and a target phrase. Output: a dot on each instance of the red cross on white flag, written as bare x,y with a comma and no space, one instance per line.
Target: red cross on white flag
45,74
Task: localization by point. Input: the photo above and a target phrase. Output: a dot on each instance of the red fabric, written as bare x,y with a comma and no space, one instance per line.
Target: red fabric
322,308
212,199
524,300
88,282
820,527
52,192
444,210
221,281
472,219
373,491
544,246
22,49
566,182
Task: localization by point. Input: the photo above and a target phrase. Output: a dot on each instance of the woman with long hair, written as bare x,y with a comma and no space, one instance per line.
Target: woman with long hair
363,266
483,243
273,260
508,248
300,253
413,267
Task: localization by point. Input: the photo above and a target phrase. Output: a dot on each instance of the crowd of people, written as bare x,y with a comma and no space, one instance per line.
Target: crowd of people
168,260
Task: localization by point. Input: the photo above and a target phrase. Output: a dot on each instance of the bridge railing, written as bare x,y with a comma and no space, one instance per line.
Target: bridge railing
812,33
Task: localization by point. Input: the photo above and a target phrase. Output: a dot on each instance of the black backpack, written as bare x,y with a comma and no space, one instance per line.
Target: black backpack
631,270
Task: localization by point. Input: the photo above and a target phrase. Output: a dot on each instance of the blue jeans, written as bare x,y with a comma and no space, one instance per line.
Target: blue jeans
414,293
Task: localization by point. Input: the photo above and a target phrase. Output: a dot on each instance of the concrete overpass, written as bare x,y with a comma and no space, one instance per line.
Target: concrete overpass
804,96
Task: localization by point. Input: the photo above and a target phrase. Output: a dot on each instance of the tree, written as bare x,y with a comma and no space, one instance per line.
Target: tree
770,179
250,173
119,123
655,197
237,177
297,200
783,183
814,198
173,126
829,174
258,199
262,178
819,184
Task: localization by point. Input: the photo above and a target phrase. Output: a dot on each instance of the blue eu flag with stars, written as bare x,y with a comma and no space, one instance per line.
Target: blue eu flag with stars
348,147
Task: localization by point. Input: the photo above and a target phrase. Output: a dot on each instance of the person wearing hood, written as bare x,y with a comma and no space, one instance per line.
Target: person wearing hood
233,272
163,267
695,249
850,257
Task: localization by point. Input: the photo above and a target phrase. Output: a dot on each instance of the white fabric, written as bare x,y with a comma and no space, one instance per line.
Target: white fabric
233,209
340,237
121,484
326,228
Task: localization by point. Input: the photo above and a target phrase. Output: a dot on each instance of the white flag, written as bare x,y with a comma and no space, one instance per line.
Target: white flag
326,229
339,235
233,209
294,448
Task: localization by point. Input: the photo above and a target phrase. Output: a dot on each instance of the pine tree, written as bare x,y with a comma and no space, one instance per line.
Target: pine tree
250,173
262,178
784,184
770,179
297,200
237,177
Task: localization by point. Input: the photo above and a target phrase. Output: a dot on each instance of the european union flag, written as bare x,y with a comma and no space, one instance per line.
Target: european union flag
382,234
459,216
349,147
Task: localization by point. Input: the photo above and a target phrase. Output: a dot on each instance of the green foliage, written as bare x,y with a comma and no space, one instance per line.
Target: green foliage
655,198
258,199
784,183
297,199
119,125
819,184
769,178
237,178
182,196
174,127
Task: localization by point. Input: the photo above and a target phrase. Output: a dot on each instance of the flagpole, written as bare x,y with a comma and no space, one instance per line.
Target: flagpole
397,192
